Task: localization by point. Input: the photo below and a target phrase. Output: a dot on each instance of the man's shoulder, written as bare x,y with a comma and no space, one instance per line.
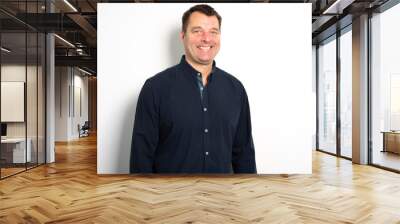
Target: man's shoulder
164,75
226,76
162,79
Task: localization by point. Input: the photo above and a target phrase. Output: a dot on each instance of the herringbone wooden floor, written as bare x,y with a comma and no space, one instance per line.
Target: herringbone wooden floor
70,191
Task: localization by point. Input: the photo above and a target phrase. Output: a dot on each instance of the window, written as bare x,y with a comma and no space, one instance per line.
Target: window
327,96
346,93
385,88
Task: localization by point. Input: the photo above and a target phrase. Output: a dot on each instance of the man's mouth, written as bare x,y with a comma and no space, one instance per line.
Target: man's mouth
205,48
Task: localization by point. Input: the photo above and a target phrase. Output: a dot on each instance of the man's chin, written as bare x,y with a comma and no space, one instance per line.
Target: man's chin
205,61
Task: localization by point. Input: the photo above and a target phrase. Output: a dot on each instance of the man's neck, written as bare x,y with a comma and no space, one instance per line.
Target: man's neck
205,70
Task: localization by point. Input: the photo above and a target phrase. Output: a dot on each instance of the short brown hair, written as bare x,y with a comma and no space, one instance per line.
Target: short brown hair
202,8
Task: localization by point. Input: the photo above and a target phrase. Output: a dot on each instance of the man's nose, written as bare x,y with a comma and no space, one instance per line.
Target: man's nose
206,37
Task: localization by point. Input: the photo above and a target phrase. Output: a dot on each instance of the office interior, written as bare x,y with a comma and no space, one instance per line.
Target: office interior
48,82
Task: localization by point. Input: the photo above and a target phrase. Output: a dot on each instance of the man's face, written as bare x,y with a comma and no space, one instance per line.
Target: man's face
201,39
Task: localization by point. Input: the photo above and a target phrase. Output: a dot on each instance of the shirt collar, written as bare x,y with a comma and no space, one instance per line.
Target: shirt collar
187,68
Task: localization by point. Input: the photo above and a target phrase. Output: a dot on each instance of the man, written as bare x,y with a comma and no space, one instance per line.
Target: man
194,117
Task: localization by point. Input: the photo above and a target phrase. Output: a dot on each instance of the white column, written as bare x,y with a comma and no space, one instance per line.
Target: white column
360,90
50,100
50,93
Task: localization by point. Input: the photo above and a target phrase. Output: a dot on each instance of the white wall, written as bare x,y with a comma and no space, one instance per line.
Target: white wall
268,52
68,81
61,103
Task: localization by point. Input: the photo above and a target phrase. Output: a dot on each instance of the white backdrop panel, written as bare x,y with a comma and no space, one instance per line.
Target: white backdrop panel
267,50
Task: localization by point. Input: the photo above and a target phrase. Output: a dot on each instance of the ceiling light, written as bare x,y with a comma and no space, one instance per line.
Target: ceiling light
84,71
5,50
70,5
337,7
64,40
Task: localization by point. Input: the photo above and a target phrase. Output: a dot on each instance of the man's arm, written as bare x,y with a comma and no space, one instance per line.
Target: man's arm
243,155
145,131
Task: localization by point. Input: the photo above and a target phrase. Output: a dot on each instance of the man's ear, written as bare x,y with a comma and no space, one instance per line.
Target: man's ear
182,35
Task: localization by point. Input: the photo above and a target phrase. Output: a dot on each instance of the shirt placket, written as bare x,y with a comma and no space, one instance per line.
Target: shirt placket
205,118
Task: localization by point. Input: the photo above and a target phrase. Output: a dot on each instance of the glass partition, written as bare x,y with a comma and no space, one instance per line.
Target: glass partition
22,63
346,93
13,94
327,96
385,89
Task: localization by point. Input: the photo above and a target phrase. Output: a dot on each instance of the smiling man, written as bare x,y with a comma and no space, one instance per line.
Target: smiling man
194,117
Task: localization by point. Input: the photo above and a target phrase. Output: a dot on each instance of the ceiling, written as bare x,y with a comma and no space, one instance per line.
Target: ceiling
76,22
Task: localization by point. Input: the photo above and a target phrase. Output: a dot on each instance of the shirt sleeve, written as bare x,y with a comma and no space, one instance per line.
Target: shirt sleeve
243,155
145,131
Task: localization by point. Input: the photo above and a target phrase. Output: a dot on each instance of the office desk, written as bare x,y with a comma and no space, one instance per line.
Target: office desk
391,141
13,150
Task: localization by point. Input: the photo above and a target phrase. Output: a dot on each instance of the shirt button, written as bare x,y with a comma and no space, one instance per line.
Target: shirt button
206,153
199,74
206,130
205,109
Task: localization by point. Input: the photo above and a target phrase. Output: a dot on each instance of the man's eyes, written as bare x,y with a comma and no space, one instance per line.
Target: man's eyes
201,32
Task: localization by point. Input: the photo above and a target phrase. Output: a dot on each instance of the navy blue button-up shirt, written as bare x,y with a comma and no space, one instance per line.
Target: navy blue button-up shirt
179,131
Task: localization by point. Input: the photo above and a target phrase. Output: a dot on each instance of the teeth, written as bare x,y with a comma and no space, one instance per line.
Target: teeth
205,48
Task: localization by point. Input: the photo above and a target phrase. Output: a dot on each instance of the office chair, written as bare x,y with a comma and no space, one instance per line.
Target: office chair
84,130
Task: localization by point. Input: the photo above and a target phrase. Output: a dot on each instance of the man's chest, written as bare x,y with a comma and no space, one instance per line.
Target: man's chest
183,109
